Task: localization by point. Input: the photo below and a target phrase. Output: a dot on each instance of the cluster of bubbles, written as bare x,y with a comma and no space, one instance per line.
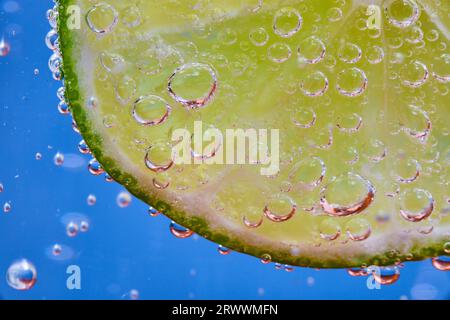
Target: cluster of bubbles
351,81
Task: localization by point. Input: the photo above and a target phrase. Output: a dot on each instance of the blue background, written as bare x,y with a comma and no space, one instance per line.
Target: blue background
124,249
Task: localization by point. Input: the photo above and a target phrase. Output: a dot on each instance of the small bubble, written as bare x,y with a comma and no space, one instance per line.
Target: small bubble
72,229
329,229
223,251
4,48
416,204
36,72
151,110
441,263
351,82
7,207
266,258
83,147
21,275
84,226
38,156
179,231
259,36
102,18
153,212
312,50
95,168
402,13
123,199
91,200
279,52
287,22
58,159
56,249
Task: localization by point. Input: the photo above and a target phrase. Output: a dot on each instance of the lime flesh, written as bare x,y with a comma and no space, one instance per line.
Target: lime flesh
357,90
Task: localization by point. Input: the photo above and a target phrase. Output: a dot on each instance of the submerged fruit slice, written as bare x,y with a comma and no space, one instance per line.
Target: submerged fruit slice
358,91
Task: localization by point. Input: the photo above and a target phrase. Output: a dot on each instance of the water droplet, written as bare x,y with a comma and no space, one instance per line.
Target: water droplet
58,159
21,275
83,147
402,13
63,107
350,53
414,74
72,229
338,197
179,231
287,22
153,212
102,18
91,200
123,199
151,110
385,275
441,263
223,251
329,229
447,247
56,250
279,52
358,229
279,209
351,82
4,48
314,84
259,37
193,85
311,50
95,168
7,207
266,258
416,204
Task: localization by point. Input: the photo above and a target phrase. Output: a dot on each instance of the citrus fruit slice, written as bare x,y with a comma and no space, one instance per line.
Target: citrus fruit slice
310,133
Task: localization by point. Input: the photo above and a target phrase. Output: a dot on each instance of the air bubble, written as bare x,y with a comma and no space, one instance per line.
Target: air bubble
4,48
385,275
151,110
131,16
21,275
83,147
72,229
56,250
351,82
7,207
350,53
416,204
414,74
304,118
259,37
223,251
123,199
314,84
159,157
58,159
193,85
441,263
287,22
102,18
441,68
329,229
95,168
91,200
309,171
279,52
348,194
358,229
279,209
311,50
402,13
375,54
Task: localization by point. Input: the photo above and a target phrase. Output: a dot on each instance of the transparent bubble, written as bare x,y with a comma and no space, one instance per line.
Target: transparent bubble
21,275
414,74
416,204
58,159
334,14
259,37
4,48
350,53
131,16
102,18
223,251
151,110
346,195
402,13
112,62
227,36
91,200
304,118
358,229
385,275
279,208
309,171
38,156
123,199
287,22
159,157
279,52
311,50
441,263
193,85
375,54
95,168
7,207
72,229
266,258
56,249
441,68
351,82
329,229
179,231
125,89
314,84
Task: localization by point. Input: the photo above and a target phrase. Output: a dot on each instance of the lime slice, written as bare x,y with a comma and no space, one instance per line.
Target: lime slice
343,105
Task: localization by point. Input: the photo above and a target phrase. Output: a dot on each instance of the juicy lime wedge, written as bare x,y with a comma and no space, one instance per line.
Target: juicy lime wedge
342,107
